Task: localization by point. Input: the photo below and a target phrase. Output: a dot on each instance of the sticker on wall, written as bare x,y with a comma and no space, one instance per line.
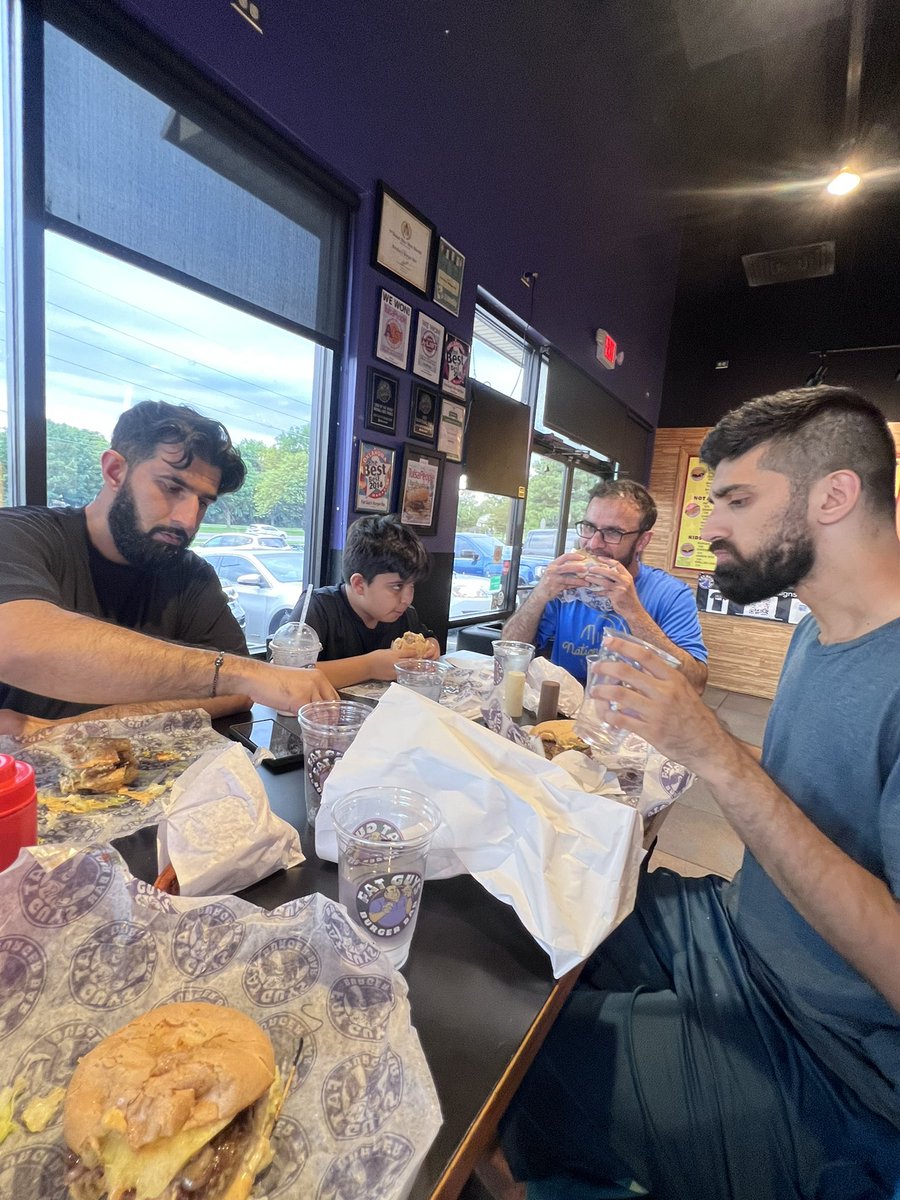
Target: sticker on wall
249,10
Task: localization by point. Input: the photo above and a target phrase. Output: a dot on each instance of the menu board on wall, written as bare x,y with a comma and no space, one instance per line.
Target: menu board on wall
691,552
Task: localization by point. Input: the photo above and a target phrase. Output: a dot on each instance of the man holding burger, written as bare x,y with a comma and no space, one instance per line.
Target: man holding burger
604,583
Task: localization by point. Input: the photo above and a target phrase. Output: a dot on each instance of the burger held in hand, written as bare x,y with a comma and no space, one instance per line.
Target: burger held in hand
176,1105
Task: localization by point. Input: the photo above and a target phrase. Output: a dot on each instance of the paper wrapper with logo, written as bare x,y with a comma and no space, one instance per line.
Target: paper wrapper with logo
85,948
566,861
217,830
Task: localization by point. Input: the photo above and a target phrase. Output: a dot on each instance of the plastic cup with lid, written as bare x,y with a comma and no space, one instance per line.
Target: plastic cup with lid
294,644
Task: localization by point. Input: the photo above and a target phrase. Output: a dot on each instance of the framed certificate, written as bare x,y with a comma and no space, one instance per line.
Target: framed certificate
381,401
420,489
374,477
392,338
452,428
429,346
448,277
423,414
404,241
455,367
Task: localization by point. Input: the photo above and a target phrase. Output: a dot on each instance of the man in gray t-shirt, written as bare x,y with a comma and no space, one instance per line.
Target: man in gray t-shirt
742,1040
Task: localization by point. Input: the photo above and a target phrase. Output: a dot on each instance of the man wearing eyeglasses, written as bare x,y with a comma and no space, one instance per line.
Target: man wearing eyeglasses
604,583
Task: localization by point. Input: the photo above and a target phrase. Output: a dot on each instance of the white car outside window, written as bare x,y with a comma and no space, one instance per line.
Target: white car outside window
268,584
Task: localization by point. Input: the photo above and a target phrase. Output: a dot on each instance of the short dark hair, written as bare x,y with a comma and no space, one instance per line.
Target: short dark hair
812,431
380,545
142,429
627,489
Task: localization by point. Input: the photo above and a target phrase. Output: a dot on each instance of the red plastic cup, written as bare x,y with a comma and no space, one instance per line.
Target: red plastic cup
18,809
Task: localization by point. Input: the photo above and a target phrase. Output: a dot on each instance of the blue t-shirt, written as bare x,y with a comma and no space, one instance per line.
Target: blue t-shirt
832,744
577,630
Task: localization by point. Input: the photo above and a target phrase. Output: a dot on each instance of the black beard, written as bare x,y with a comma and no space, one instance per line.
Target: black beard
136,547
776,568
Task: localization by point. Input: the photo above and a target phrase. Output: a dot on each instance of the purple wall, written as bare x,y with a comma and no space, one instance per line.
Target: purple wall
519,132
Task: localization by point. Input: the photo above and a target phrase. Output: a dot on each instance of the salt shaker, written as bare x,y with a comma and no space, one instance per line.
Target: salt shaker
548,704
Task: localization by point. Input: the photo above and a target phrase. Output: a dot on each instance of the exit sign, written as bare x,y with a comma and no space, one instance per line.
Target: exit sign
606,349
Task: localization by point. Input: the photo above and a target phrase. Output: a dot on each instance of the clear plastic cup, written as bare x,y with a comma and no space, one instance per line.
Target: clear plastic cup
511,656
383,836
590,720
329,727
422,675
294,645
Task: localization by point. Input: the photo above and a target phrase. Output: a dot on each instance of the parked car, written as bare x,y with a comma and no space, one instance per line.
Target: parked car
482,554
248,541
237,609
472,596
539,545
267,582
267,529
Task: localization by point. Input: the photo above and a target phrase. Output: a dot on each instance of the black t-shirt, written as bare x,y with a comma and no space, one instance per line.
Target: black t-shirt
45,554
343,633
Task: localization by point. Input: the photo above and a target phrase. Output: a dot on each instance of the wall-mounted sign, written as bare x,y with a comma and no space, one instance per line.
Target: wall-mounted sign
606,349
691,552
784,607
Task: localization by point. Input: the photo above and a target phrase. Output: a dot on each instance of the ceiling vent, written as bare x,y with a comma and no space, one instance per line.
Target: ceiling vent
796,262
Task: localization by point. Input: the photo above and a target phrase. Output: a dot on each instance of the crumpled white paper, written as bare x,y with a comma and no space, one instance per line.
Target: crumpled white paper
571,693
218,831
566,861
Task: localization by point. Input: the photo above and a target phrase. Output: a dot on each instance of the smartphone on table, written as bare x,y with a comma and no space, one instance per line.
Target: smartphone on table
284,744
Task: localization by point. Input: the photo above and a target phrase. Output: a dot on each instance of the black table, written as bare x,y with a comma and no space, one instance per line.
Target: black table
481,990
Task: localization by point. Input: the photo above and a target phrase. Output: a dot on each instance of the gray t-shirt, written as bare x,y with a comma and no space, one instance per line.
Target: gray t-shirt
45,554
832,744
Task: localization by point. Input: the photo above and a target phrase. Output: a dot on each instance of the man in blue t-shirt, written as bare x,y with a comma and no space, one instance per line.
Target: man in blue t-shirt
604,583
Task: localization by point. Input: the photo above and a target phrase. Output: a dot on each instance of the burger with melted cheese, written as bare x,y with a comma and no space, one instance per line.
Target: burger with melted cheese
410,645
176,1105
557,736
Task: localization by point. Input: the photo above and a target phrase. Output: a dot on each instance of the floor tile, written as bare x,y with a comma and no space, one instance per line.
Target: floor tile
679,865
737,702
713,696
702,838
749,727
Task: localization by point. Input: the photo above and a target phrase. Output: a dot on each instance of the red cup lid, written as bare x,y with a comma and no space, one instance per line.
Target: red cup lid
16,781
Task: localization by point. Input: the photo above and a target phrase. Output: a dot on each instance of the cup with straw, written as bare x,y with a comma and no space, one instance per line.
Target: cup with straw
295,644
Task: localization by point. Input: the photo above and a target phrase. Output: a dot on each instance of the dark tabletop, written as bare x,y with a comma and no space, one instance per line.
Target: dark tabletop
477,979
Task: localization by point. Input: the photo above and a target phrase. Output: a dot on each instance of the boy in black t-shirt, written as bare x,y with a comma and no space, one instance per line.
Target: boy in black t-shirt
358,620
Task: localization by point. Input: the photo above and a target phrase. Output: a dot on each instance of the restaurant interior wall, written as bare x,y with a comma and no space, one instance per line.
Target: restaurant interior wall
745,653
488,127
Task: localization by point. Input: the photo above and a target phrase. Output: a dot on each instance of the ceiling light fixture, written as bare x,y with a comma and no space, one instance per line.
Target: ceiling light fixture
843,183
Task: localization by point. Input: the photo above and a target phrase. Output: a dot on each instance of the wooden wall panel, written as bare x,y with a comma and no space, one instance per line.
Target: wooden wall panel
745,654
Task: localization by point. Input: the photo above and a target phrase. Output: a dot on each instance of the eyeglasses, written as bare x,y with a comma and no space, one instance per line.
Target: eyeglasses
612,537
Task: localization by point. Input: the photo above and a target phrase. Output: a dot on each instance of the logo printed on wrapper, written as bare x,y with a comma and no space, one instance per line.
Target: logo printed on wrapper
34,1171
371,1170
23,973
673,776
293,908
359,1006
206,940
193,995
359,1094
54,898
114,966
50,1060
387,903
290,1147
284,968
285,1031
346,941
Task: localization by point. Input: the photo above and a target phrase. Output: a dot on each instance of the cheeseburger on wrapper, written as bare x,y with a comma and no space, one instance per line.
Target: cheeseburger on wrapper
176,1105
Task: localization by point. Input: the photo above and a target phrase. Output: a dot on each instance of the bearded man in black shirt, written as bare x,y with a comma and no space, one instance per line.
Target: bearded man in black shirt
106,605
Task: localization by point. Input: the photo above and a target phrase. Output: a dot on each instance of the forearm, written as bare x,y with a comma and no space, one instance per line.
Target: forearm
344,672
522,626
847,905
